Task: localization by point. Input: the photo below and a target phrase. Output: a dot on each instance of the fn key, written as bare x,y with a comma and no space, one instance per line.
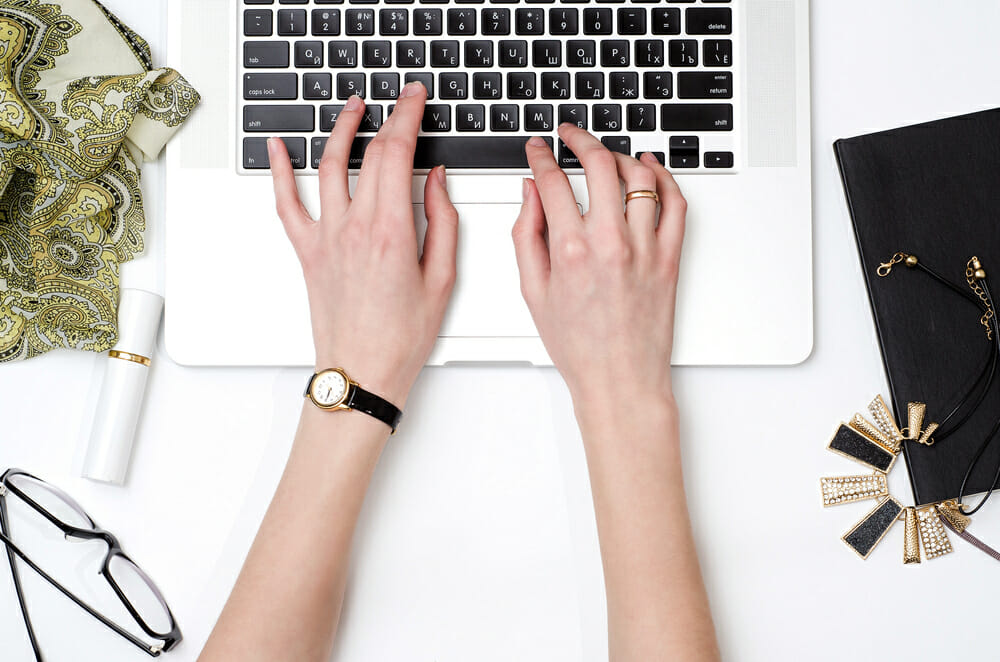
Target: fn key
255,153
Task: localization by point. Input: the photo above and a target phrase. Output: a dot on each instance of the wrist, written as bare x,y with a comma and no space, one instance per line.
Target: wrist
613,413
388,384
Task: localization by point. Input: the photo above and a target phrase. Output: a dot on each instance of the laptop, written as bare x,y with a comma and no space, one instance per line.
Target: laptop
718,90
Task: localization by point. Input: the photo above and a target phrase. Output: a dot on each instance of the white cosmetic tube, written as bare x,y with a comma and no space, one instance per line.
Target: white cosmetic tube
121,399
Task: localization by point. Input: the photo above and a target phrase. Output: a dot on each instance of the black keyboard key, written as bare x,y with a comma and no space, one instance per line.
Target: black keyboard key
487,86
265,54
258,2
444,53
329,2
376,54
597,21
659,156
282,87
410,54
258,23
555,85
496,22
666,20
581,53
521,85
608,117
566,158
436,118
620,144
504,117
640,117
371,120
343,54
538,117
573,114
718,159
348,84
632,20
658,85
513,53
328,117
325,22
360,22
255,156
427,22
470,117
453,85
623,85
317,87
530,21
479,54
385,85
614,53
590,85
717,53
683,161
564,21
425,79
709,20
696,117
277,119
683,53
649,53
684,144
705,85
292,22
461,21
546,53
393,22
309,54
454,152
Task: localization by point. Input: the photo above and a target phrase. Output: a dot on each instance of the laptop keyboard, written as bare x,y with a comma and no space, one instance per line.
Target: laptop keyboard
643,75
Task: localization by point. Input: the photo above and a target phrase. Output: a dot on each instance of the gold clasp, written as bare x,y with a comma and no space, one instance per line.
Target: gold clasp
885,268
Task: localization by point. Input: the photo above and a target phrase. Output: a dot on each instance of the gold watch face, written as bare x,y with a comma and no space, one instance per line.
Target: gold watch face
330,387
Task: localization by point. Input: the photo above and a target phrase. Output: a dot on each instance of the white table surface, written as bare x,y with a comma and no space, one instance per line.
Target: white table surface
478,541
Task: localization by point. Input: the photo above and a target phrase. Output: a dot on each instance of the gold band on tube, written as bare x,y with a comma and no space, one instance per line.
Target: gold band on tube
127,356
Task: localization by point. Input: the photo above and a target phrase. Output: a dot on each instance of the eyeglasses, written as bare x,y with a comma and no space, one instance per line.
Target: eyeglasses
133,587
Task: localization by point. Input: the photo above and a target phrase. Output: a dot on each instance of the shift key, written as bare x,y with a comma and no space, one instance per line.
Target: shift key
271,119
696,117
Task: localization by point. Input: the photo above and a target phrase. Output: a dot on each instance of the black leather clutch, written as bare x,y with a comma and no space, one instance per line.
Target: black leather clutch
932,190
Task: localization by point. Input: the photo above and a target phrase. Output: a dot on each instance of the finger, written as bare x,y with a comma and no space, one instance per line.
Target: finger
640,212
441,241
673,209
292,213
603,187
533,261
561,213
390,156
335,195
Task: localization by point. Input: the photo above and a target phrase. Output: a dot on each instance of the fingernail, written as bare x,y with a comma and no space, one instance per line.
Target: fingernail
354,103
440,174
411,89
271,143
537,141
524,189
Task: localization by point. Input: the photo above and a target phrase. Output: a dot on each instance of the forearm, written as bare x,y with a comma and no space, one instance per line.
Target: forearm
657,605
287,600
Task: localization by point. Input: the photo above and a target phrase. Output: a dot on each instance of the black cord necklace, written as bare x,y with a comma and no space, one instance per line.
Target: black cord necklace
877,444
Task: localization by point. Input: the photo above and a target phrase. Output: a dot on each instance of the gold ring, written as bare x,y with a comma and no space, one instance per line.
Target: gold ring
128,356
642,194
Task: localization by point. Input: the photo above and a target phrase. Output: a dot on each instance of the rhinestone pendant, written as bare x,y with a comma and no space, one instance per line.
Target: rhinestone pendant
845,489
933,535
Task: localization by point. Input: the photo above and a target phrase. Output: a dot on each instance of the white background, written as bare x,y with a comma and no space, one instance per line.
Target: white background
478,541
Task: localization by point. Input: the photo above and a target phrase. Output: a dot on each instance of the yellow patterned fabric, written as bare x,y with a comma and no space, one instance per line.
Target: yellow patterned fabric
80,108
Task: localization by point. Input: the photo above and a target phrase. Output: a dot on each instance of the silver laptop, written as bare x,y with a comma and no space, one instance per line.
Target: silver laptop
718,90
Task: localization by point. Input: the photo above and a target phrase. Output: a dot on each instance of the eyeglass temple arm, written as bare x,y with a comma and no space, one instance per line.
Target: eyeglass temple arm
16,576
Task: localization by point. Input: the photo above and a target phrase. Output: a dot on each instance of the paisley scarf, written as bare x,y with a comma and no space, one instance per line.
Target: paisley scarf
81,107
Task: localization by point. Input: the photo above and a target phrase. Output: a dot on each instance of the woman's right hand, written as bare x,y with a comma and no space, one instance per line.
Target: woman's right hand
601,286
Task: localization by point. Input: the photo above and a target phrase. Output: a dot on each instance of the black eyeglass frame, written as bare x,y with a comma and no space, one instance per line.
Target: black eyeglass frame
168,639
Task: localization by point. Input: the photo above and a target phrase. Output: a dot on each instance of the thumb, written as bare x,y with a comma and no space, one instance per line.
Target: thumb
529,244
441,241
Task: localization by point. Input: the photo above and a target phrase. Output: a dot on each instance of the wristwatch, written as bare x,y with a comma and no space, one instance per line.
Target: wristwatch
333,390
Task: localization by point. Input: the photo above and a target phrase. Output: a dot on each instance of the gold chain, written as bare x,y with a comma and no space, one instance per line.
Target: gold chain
972,278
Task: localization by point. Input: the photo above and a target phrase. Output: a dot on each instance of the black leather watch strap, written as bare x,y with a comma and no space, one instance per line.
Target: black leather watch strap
371,404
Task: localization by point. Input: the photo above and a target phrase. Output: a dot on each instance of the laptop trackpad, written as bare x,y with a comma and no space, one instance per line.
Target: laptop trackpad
487,299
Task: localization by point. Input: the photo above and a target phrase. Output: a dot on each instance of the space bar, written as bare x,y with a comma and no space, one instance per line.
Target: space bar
452,152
